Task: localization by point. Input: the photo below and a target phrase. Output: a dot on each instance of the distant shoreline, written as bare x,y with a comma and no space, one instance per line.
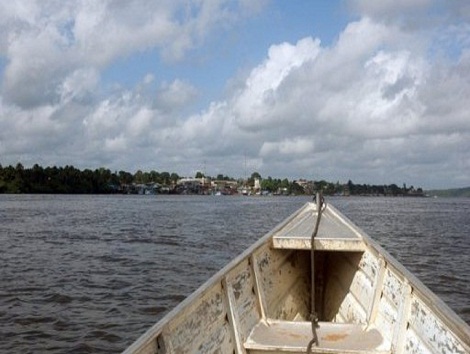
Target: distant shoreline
450,193
70,180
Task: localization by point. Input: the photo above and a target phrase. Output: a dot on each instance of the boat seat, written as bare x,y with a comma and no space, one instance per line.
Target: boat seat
274,336
321,243
334,234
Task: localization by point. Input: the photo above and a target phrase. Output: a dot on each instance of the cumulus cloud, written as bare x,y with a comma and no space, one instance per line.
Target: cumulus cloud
175,95
53,54
44,41
381,104
360,107
354,88
261,87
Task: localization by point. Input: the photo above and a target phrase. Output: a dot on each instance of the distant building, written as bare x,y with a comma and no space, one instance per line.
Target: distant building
257,185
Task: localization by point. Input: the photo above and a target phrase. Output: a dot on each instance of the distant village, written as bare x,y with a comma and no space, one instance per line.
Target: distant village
202,186
257,187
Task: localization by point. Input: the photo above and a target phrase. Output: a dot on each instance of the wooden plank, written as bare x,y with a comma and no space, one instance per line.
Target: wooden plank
283,275
414,344
386,317
352,311
258,290
232,318
164,345
378,285
431,331
369,264
243,300
361,288
202,325
331,225
321,244
398,342
392,288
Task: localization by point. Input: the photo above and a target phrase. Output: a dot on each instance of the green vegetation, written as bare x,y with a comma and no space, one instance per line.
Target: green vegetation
70,180
456,192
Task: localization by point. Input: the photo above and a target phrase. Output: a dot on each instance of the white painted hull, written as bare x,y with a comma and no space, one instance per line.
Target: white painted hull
260,303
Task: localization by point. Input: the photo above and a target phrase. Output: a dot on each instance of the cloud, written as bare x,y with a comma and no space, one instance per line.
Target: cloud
389,9
361,107
44,41
418,17
287,147
175,95
78,85
355,87
252,103
384,103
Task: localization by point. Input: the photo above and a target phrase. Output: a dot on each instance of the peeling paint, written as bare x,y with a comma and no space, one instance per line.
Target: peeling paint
430,330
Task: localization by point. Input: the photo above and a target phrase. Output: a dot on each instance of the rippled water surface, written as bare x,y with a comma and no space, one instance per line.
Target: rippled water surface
88,274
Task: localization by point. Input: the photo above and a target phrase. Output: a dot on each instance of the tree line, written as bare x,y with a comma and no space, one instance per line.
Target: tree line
330,188
70,180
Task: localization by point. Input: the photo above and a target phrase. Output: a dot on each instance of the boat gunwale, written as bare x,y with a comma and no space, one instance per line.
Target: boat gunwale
436,305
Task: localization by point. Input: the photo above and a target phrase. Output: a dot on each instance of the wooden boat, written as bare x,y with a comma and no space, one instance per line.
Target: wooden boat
261,302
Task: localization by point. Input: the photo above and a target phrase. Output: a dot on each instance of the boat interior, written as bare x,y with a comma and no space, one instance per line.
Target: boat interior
366,302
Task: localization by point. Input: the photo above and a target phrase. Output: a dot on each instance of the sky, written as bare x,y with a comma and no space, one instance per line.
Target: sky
376,92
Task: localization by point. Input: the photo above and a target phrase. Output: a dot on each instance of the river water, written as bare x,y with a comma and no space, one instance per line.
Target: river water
85,274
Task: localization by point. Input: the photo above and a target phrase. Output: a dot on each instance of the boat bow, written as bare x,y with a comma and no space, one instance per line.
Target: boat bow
367,302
